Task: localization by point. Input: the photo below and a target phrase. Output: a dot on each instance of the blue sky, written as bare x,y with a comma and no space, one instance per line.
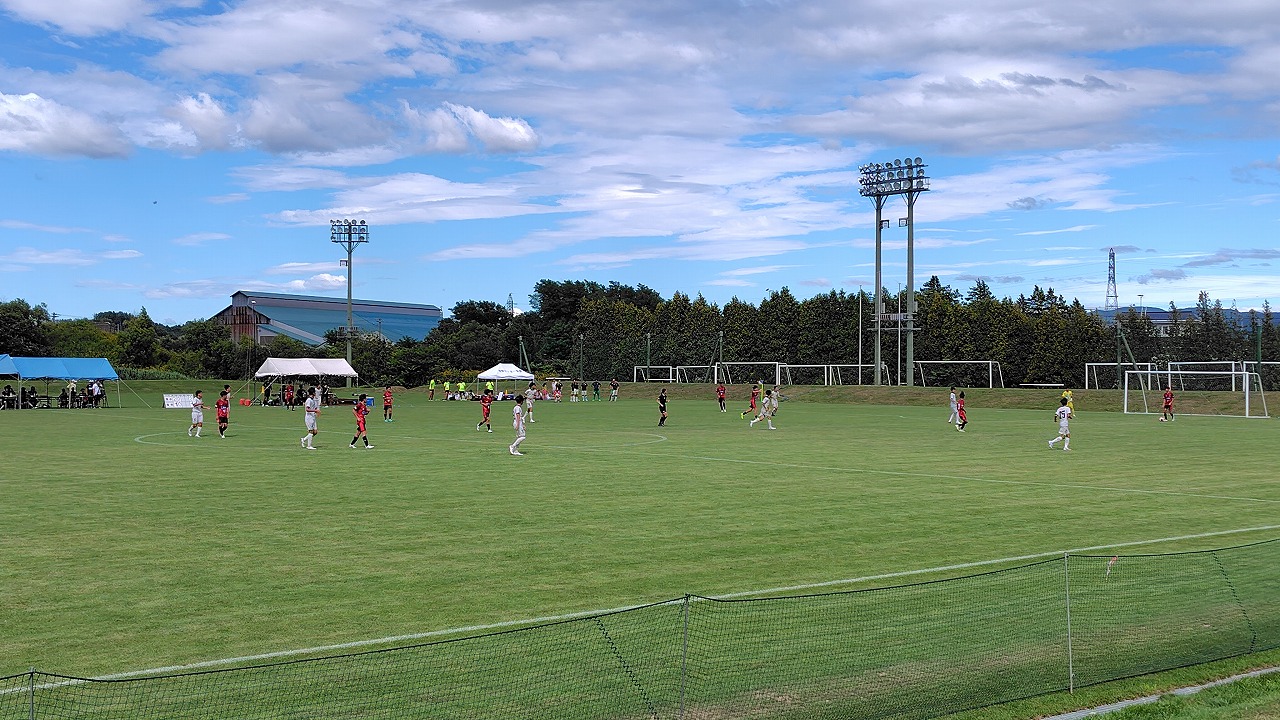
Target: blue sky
165,153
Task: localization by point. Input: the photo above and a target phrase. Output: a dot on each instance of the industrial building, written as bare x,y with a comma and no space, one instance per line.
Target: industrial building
263,316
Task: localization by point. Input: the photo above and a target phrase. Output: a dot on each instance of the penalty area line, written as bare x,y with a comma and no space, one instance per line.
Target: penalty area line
355,644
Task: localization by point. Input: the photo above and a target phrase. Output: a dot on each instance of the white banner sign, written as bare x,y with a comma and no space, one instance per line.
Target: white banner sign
179,400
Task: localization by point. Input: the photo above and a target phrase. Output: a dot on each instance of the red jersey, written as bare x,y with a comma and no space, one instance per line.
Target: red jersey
755,395
720,391
386,398
485,402
223,406
1168,398
360,410
960,409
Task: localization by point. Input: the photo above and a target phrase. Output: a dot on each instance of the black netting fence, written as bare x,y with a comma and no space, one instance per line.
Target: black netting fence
911,651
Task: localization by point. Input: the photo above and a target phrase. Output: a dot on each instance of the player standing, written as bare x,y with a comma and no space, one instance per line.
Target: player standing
431,389
1166,411
197,414
952,418
517,422
595,389
662,408
311,410
1071,401
386,405
613,390
288,396
528,403
361,411
961,418
485,401
755,396
720,391
221,409
1062,415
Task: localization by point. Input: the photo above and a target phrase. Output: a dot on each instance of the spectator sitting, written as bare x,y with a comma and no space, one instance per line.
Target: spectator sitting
64,398
8,400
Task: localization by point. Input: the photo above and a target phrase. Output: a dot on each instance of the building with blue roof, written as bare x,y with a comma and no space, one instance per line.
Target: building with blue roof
264,316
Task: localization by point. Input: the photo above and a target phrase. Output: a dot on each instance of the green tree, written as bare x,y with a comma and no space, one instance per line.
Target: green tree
139,342
82,338
23,329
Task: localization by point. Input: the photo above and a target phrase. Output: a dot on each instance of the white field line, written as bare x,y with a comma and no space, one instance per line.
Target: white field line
208,664
1104,709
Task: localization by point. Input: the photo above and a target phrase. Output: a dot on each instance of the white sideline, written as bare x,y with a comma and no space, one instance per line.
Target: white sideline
206,664
1147,700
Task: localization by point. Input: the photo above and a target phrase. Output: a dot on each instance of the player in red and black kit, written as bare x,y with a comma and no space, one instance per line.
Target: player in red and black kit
963,418
755,395
223,409
720,396
361,411
1166,413
386,405
288,396
485,401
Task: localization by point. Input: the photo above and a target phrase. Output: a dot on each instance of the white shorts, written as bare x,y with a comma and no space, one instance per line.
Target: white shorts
1062,428
520,431
311,421
197,417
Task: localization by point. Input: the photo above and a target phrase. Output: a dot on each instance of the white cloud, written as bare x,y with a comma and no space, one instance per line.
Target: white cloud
497,134
81,17
32,124
69,257
57,229
1074,228
200,238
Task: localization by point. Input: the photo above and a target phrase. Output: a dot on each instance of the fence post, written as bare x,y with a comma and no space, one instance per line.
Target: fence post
1071,670
31,694
684,657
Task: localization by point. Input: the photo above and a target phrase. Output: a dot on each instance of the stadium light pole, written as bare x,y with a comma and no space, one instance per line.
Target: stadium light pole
348,234
880,181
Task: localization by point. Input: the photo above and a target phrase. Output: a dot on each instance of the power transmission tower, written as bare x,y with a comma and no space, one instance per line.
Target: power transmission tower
511,305
1113,297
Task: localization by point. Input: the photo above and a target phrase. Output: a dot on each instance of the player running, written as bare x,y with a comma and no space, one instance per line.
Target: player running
767,407
951,419
1062,415
386,405
1071,400
197,414
755,396
1166,412
662,408
962,419
517,422
720,391
222,409
361,411
311,410
486,400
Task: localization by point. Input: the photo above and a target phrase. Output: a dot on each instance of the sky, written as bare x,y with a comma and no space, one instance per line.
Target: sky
166,153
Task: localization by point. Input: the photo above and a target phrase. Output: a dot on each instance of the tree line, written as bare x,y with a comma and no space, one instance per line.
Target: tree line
597,331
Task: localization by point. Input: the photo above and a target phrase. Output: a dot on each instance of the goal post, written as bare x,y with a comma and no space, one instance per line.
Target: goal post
994,372
849,374
1091,372
653,373
1268,369
695,373
731,373
806,375
1225,393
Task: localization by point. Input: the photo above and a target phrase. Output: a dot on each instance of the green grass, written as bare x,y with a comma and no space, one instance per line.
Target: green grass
128,545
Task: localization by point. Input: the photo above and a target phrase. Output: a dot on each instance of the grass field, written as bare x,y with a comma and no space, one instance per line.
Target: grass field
128,545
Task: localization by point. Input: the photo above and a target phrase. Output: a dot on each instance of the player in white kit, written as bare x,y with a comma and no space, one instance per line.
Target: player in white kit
311,410
197,414
517,422
1062,415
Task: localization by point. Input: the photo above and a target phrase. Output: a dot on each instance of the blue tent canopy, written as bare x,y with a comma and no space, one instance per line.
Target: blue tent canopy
59,368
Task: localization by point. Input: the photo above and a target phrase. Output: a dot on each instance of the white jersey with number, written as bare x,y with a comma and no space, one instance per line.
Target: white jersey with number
197,411
312,406
517,420
953,402
1063,414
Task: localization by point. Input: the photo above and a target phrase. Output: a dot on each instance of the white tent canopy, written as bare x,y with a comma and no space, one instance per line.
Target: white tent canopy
505,371
290,367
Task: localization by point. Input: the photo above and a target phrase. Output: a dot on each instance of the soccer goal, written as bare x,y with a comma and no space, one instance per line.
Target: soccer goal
966,373
746,373
806,374
1268,369
695,373
653,373
1177,368
1198,392
1105,374
850,374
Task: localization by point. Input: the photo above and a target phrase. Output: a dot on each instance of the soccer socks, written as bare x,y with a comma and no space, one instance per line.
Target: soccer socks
1054,441
1067,445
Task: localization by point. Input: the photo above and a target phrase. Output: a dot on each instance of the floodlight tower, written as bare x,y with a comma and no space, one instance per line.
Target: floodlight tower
1113,297
348,234
880,181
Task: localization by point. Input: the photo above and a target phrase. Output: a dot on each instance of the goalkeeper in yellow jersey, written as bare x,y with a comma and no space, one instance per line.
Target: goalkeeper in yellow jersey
1071,405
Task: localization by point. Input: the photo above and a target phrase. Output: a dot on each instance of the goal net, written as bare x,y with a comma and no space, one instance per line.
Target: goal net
1105,375
806,375
653,373
695,373
1197,392
1178,367
960,373
1268,369
746,373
